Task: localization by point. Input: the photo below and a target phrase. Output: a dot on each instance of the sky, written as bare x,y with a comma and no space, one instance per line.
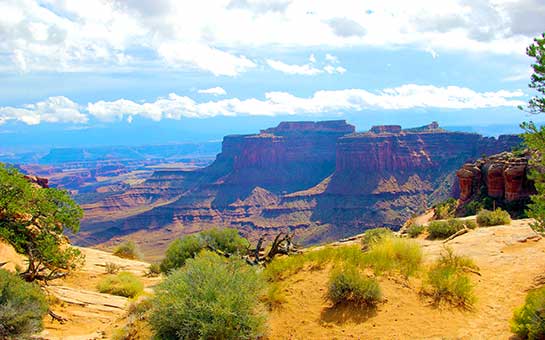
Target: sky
123,72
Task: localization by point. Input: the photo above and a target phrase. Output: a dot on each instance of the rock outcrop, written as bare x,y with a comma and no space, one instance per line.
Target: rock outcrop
502,176
319,178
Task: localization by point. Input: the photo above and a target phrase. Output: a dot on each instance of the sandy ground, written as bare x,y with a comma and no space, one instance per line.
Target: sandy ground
90,314
510,259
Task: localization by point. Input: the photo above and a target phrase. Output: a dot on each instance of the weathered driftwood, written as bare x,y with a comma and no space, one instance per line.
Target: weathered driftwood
458,233
57,317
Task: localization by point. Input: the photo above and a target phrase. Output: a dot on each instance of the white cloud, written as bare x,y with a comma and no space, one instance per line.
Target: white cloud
306,70
280,103
216,91
312,59
409,96
330,69
432,52
204,57
53,110
71,35
331,58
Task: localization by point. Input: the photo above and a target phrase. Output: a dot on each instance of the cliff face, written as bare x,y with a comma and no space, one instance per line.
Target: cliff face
319,178
502,176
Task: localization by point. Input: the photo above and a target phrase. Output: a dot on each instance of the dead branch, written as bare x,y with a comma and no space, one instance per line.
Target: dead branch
458,233
57,317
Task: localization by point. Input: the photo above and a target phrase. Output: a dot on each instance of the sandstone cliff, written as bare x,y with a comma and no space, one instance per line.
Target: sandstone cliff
502,177
319,178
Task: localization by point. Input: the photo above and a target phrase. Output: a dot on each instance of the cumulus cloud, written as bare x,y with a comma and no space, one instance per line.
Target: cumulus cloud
215,91
306,69
53,110
70,35
173,106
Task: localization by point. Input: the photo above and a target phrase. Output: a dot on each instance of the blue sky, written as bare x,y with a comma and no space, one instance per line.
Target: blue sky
135,72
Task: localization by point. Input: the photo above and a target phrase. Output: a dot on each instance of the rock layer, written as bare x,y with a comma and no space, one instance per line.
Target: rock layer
502,176
319,178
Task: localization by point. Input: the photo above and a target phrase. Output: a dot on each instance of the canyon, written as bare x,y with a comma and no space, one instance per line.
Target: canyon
321,180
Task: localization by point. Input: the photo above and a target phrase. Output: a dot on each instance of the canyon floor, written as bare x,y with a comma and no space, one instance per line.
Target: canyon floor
511,261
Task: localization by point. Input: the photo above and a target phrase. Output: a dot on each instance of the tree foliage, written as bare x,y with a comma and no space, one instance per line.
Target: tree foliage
33,221
22,307
534,136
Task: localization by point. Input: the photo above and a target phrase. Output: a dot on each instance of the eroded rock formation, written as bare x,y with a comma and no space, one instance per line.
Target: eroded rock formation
319,178
502,176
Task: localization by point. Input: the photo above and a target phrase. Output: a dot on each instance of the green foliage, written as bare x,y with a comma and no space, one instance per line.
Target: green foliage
446,209
372,236
128,250
154,270
534,137
180,250
448,279
393,254
444,229
211,297
529,320
22,307
227,240
123,284
490,218
348,285
473,207
415,230
33,220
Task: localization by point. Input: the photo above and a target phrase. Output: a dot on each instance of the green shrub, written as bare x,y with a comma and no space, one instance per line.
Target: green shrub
226,240
487,218
448,279
181,250
154,270
348,285
394,254
22,307
444,229
529,320
472,208
415,230
446,209
211,297
127,250
123,284
372,236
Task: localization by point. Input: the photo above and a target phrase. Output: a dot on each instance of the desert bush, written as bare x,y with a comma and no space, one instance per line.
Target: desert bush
446,209
123,284
154,270
444,229
226,240
472,208
529,320
394,254
127,250
487,218
181,250
448,280
274,297
22,307
211,297
372,236
348,285
415,230
112,268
